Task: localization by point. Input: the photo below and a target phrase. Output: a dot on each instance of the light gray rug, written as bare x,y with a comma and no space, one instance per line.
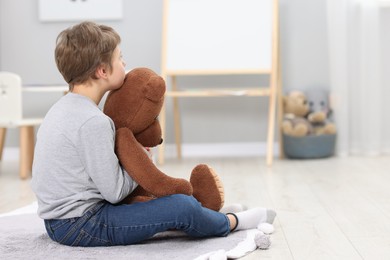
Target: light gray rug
24,237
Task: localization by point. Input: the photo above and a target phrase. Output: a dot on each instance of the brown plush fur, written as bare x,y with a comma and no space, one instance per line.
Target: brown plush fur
134,109
199,180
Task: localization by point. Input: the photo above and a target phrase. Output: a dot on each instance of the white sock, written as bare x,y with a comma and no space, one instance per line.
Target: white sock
251,218
233,208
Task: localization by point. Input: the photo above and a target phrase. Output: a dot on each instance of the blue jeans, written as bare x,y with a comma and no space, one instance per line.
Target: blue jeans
106,224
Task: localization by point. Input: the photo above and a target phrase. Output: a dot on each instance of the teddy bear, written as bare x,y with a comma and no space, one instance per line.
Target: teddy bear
134,109
296,108
319,112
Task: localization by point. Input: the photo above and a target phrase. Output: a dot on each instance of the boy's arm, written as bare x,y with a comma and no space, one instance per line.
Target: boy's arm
97,138
137,162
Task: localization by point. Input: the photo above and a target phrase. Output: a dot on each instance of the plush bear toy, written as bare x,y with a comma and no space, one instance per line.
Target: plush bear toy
296,108
320,113
134,108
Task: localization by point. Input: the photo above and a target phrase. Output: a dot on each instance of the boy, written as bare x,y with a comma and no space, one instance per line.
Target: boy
77,178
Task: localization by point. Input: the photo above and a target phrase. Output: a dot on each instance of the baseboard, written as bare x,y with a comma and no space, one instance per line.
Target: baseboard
192,150
10,154
220,150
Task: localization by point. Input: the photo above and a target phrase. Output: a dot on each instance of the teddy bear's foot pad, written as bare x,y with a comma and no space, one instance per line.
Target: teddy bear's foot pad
207,187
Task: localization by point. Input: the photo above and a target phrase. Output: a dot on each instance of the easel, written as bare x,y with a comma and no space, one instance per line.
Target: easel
180,56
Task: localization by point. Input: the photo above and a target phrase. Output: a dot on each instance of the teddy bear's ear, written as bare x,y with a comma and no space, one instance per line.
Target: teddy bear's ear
297,94
155,89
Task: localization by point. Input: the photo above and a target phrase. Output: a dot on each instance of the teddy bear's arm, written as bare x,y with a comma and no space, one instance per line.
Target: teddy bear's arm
138,165
317,117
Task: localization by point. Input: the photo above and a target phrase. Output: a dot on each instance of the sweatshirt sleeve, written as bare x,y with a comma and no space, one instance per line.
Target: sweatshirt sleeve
97,153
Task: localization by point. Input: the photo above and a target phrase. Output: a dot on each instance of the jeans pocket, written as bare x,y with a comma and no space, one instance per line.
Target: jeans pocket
58,229
86,240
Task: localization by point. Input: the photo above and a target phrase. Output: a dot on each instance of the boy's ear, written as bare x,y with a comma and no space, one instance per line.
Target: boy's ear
101,72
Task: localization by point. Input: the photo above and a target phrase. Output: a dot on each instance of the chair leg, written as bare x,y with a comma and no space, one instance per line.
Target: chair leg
2,140
26,151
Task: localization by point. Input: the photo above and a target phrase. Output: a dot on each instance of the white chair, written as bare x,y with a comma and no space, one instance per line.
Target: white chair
11,117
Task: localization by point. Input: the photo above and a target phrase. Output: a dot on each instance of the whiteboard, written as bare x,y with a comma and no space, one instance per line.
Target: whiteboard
217,35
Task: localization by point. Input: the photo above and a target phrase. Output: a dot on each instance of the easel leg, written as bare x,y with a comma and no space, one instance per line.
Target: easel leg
280,113
3,131
176,115
26,151
274,86
161,147
271,126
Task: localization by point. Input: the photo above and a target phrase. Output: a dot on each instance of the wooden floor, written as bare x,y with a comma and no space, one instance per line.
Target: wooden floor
336,208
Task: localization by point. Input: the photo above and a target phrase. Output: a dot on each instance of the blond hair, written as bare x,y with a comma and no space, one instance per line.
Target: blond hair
82,48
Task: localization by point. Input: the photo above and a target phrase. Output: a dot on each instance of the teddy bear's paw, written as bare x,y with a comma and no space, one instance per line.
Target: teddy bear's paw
317,117
135,199
287,127
330,129
180,186
207,187
300,130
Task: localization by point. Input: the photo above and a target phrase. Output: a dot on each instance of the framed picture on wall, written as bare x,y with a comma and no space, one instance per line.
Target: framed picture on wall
77,10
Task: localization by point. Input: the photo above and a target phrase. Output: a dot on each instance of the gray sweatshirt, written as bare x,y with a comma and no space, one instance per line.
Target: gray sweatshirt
74,164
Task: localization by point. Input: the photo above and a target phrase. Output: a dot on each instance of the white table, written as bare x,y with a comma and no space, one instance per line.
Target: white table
27,132
45,88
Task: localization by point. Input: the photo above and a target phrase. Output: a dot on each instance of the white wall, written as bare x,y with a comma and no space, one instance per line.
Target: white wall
27,46
385,14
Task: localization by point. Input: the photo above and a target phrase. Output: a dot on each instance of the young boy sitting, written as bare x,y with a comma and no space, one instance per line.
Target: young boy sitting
77,177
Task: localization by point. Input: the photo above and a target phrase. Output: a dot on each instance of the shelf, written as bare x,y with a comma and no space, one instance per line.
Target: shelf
220,92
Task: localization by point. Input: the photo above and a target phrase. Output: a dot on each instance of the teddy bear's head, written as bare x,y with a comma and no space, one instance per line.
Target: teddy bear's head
319,102
296,103
137,104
